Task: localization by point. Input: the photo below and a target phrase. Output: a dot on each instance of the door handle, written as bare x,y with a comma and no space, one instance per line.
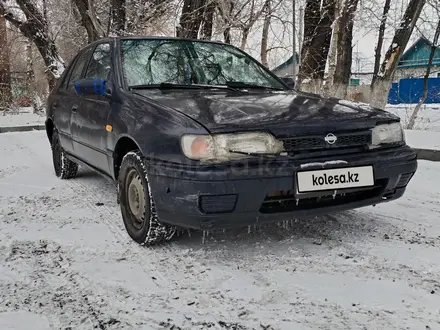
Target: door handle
74,109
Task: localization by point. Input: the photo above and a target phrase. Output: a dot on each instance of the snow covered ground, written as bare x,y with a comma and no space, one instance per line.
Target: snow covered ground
427,120
423,139
67,263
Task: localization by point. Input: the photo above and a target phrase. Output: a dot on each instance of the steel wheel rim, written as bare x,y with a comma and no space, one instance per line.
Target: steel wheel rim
135,196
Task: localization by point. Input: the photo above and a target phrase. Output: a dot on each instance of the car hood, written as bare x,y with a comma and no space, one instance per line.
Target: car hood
281,112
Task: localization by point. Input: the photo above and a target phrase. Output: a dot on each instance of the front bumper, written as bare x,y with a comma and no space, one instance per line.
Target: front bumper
211,197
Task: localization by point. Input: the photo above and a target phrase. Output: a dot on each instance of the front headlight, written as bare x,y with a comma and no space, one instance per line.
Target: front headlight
387,134
220,147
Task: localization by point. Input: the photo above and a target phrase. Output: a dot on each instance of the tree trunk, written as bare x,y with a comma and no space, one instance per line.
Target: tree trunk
36,28
317,36
342,73
208,20
89,20
244,38
227,35
333,50
380,90
265,32
226,14
412,119
378,50
191,19
118,17
29,65
34,98
5,70
45,10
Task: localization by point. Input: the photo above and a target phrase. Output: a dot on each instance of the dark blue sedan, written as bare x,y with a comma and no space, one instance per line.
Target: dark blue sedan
199,134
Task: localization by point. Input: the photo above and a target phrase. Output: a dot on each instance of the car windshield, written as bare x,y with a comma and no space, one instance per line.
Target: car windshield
158,61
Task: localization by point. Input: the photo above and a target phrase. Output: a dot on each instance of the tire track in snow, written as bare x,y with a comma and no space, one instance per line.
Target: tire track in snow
52,289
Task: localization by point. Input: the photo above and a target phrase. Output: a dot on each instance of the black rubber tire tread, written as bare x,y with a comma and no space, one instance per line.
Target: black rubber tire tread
152,232
66,169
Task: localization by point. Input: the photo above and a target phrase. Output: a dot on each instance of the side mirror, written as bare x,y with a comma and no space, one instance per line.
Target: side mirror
91,86
290,82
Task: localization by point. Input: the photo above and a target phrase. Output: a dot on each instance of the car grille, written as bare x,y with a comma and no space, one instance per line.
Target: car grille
315,143
288,203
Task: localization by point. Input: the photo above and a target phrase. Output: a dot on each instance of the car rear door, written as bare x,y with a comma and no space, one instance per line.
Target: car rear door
67,102
90,122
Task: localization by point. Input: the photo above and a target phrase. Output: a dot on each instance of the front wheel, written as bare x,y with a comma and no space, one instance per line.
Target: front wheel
137,203
64,168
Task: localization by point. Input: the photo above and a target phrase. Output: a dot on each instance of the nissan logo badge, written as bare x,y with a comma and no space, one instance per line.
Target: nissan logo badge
330,138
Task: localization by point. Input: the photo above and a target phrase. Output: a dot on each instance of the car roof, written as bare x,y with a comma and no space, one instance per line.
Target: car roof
110,39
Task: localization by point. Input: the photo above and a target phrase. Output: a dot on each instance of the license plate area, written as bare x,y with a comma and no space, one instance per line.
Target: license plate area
347,178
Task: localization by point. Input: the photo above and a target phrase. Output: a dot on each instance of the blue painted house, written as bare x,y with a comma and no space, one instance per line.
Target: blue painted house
414,61
409,77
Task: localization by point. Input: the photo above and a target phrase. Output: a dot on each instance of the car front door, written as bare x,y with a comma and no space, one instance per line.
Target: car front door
67,101
89,126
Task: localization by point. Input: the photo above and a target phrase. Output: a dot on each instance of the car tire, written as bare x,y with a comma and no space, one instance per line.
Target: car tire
137,204
64,168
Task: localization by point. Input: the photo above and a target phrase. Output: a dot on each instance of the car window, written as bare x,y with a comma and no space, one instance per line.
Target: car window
100,63
77,71
156,61
65,81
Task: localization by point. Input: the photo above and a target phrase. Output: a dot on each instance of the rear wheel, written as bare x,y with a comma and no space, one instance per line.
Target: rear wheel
64,168
137,203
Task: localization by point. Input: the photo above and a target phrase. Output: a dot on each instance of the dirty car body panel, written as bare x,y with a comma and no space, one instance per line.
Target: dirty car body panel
330,158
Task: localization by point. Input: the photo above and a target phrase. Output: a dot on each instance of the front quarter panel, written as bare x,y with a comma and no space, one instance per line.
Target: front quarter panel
156,129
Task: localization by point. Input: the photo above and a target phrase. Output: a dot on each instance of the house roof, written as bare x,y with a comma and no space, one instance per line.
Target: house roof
286,63
418,55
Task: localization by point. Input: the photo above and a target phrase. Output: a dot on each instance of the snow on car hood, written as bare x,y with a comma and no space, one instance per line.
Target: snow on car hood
216,110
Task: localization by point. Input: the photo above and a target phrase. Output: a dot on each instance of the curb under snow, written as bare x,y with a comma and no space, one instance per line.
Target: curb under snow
428,154
26,128
422,154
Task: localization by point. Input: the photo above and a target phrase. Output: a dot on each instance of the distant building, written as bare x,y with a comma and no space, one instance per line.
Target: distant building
414,61
408,84
285,69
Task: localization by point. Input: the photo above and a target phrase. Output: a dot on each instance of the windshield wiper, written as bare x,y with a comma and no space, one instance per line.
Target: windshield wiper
180,86
241,84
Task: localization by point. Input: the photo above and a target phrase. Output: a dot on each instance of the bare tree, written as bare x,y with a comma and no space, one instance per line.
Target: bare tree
36,28
118,17
247,24
89,19
379,45
208,20
5,72
317,36
191,18
379,93
226,9
265,32
141,13
342,50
